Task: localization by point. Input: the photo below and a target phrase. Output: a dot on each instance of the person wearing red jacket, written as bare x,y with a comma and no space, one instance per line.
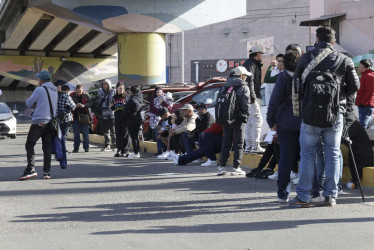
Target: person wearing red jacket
365,95
212,138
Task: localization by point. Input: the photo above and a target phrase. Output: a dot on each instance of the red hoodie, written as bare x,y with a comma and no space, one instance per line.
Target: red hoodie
215,129
365,95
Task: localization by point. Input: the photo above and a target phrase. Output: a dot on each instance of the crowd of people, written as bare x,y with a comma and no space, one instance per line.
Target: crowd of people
309,118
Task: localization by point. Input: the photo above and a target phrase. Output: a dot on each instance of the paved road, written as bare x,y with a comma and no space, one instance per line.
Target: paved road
101,202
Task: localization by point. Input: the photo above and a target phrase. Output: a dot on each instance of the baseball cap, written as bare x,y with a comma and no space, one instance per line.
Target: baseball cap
187,106
201,105
163,111
43,75
240,70
257,48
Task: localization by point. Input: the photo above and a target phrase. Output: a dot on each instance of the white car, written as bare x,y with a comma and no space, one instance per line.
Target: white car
8,123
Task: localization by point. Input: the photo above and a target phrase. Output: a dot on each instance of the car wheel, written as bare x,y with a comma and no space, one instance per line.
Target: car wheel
13,136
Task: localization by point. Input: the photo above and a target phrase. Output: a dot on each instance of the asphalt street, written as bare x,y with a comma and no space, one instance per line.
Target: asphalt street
102,202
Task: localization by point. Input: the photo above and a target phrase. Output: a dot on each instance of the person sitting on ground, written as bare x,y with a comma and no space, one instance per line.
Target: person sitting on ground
159,101
212,138
271,156
203,122
162,131
188,124
174,143
133,118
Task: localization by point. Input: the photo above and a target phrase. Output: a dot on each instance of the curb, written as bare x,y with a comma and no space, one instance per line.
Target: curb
252,160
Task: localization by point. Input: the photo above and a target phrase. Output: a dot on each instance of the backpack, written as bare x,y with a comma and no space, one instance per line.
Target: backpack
321,97
227,106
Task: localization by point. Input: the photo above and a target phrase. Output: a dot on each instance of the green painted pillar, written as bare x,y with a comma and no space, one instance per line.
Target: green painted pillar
141,58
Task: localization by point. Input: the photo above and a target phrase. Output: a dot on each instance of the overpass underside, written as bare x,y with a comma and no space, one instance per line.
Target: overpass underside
85,41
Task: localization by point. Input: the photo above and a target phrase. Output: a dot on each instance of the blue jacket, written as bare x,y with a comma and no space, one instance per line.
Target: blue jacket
280,105
39,98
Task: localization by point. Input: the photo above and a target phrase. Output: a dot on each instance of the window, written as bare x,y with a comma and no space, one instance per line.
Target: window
207,96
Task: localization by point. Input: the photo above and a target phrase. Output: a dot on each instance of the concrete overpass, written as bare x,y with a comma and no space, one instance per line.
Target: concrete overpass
77,41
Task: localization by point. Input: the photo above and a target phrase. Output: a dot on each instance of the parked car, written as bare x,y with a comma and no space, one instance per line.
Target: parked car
203,92
8,123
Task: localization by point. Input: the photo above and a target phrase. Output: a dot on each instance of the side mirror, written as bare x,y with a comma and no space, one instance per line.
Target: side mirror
15,111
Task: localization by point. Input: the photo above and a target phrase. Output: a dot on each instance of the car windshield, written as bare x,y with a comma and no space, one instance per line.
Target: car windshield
207,96
4,108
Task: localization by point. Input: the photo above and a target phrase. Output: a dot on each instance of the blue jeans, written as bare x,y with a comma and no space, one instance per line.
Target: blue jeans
319,174
161,147
212,146
364,113
77,129
189,143
309,142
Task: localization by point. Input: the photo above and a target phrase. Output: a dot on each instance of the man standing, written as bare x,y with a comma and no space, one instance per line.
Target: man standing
271,75
106,94
235,132
322,59
39,124
253,128
80,116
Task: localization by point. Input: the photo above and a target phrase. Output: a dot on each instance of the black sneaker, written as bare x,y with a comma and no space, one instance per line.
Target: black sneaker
297,203
86,150
47,176
266,173
253,173
330,201
75,150
28,174
118,154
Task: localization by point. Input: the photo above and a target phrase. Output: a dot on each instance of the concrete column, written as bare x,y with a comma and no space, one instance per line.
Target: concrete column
141,58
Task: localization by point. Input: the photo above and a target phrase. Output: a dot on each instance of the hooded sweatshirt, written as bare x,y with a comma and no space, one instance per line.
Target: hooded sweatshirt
243,95
108,95
39,98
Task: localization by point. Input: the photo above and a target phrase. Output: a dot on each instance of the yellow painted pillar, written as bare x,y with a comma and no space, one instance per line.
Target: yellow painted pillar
141,58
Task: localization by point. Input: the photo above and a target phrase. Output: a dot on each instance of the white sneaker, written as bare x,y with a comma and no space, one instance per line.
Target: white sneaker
257,150
198,161
133,155
209,163
163,155
317,199
295,181
107,148
237,171
221,171
294,175
247,149
176,159
273,176
170,156
283,200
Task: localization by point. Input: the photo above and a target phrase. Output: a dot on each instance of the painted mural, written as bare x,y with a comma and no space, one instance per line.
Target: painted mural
72,70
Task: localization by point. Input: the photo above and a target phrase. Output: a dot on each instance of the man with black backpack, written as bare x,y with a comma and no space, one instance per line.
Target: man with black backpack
322,81
232,111
42,100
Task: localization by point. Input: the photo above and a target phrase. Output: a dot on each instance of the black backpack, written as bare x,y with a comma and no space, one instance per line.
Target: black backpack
227,106
321,97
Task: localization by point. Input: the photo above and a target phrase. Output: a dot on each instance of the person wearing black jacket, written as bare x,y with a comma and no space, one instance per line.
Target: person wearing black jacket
310,135
253,127
122,135
204,121
235,132
133,118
